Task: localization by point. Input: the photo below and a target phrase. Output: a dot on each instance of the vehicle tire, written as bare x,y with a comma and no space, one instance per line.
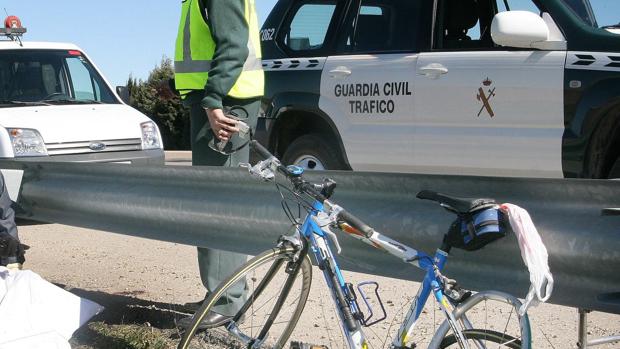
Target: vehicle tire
487,317
313,152
614,173
271,284
482,337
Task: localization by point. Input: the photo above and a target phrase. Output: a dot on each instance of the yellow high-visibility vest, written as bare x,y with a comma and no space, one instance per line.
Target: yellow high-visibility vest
195,48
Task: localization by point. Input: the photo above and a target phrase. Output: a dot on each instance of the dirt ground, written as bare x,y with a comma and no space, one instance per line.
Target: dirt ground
144,281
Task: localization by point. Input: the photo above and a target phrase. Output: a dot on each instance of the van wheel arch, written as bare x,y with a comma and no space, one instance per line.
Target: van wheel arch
615,170
290,125
604,148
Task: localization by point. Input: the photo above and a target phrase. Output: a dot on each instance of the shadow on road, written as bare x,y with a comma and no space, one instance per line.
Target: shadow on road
127,319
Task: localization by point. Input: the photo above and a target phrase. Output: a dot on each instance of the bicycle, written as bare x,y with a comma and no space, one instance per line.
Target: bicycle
282,276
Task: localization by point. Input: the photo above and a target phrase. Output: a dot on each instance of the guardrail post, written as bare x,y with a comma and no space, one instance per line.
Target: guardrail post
582,342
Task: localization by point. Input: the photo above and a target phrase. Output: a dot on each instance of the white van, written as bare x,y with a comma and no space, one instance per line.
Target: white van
55,105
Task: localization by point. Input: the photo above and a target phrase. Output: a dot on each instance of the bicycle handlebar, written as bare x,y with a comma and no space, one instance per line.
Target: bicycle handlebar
312,189
262,151
356,223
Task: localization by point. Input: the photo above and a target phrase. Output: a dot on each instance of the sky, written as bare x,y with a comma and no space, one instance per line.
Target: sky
124,37
121,37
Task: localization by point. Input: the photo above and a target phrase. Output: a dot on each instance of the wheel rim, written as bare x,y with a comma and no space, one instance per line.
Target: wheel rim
489,316
309,162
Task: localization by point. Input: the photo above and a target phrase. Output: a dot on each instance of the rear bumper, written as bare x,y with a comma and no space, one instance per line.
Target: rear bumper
142,157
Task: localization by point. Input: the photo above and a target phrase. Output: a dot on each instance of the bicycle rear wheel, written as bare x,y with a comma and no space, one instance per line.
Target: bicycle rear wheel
489,320
277,291
482,339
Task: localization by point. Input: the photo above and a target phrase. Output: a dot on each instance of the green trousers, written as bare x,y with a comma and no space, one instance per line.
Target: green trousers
216,265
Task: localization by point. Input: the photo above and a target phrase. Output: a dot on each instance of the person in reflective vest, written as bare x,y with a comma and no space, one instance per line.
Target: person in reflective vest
218,70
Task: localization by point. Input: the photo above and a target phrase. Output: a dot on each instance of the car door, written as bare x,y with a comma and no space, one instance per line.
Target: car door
368,88
481,109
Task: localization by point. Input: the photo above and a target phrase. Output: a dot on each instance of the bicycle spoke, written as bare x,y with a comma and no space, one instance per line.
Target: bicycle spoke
490,321
508,321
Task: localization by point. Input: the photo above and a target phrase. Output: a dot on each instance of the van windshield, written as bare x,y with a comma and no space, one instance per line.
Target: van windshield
597,13
50,77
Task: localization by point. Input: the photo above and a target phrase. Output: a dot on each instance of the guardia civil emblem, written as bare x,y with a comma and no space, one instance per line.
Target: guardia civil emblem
485,97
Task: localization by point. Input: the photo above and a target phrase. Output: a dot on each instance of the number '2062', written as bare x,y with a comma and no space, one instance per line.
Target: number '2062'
267,34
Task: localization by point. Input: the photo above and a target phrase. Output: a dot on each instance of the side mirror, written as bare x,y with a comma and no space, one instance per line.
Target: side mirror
123,93
521,29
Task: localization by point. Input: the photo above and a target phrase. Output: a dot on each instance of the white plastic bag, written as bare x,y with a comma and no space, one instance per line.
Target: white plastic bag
33,311
534,254
46,340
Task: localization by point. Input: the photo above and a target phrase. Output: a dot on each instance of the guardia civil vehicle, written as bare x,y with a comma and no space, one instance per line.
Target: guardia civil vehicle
56,106
474,87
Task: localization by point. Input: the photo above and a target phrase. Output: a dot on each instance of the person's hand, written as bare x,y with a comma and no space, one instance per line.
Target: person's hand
223,127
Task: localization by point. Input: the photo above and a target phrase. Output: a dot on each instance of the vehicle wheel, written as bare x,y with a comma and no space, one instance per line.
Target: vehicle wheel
614,173
277,292
312,152
487,317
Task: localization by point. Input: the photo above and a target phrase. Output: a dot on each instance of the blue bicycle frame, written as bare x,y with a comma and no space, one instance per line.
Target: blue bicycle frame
316,231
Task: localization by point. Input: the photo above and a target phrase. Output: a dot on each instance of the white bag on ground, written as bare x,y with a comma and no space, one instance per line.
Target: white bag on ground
47,340
534,254
37,314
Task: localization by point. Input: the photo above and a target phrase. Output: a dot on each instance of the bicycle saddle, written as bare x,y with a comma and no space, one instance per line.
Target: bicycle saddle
455,204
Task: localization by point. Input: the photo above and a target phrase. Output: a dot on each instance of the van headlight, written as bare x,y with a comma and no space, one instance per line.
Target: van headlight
150,136
27,142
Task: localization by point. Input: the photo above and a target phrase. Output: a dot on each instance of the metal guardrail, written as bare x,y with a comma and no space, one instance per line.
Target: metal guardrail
227,209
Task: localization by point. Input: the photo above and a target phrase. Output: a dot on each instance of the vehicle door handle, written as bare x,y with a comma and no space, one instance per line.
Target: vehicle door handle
340,72
433,70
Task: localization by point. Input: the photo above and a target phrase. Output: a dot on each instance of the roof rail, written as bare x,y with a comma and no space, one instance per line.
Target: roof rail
13,34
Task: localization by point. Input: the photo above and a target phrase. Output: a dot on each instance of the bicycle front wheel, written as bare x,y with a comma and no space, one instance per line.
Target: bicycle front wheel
277,291
488,319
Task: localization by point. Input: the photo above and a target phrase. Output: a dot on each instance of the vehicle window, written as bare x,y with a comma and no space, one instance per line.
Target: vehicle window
83,84
517,5
309,25
466,24
385,26
583,9
596,13
63,77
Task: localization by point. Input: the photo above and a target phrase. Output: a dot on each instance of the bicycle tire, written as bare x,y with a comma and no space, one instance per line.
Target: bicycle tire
483,336
267,264
520,330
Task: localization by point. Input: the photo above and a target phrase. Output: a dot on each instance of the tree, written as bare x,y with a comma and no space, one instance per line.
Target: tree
157,99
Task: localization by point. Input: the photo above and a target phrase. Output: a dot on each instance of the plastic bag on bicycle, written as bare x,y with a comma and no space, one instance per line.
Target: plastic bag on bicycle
478,228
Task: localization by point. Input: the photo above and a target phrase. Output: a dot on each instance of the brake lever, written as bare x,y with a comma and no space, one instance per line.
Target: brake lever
262,169
324,221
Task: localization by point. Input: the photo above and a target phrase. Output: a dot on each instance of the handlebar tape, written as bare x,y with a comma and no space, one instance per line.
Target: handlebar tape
262,151
356,223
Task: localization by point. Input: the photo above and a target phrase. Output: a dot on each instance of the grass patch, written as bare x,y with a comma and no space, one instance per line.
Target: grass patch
129,336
